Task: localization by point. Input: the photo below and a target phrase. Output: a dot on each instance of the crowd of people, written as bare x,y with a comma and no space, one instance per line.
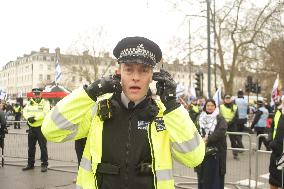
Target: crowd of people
264,120
126,138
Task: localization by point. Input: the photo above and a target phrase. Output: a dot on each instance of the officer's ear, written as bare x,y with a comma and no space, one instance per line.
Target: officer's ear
118,70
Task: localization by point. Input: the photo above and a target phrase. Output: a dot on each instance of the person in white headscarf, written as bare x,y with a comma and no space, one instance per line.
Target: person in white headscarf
212,127
277,137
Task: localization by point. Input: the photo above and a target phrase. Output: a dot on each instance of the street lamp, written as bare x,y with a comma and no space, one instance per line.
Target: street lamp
208,48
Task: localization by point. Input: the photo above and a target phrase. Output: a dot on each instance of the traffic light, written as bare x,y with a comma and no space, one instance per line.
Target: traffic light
197,82
248,88
253,87
258,89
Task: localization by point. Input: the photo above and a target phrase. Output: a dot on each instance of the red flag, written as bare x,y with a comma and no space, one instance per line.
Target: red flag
275,93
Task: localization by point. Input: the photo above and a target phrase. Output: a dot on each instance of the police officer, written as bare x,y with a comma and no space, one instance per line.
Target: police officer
277,135
131,138
17,109
193,109
34,112
229,111
259,123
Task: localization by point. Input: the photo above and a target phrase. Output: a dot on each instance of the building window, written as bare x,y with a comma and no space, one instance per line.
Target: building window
73,79
40,77
81,79
52,58
41,67
44,58
48,77
49,67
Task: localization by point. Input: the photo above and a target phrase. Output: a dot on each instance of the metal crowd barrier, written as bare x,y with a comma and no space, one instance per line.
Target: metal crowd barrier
61,156
264,155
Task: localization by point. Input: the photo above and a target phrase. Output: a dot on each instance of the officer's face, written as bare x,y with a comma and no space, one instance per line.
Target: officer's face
227,100
135,80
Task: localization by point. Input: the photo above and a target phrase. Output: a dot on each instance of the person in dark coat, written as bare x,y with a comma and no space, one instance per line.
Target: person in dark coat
3,121
277,136
213,127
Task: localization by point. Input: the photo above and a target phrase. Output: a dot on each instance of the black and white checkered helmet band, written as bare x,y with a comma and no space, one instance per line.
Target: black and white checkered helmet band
137,52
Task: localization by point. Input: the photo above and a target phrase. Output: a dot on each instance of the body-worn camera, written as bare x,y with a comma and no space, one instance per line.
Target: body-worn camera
105,110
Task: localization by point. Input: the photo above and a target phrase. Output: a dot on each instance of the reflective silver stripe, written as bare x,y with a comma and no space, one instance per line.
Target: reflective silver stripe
189,145
61,121
86,164
78,187
34,110
95,108
163,175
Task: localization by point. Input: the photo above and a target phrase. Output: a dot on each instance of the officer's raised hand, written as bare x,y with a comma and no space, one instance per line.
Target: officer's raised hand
166,89
31,119
102,86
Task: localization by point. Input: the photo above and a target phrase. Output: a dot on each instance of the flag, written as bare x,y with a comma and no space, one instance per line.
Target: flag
180,90
275,93
218,97
192,92
57,72
2,94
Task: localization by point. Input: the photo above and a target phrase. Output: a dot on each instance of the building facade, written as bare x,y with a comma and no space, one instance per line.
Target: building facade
37,69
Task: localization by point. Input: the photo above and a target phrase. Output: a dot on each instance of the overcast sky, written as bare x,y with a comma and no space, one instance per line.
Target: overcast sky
27,25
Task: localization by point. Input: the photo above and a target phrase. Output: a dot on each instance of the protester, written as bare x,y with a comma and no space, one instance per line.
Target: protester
242,118
131,138
259,123
3,122
213,127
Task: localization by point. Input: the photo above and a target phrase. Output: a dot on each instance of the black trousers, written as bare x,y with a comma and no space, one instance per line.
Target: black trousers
236,140
35,135
17,118
261,130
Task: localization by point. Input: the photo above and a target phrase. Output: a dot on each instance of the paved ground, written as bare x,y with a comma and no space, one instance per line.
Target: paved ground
12,177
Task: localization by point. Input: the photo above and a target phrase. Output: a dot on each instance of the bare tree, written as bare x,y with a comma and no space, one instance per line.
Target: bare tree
238,33
93,55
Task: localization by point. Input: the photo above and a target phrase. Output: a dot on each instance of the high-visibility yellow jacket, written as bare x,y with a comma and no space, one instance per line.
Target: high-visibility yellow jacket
227,113
75,117
17,109
276,120
36,110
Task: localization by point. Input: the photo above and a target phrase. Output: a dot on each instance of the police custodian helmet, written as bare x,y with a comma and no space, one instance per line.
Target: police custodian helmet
137,50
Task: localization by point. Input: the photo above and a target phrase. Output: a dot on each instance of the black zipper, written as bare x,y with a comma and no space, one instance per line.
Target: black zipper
128,150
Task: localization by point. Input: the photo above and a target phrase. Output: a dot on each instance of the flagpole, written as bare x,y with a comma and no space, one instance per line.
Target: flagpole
57,67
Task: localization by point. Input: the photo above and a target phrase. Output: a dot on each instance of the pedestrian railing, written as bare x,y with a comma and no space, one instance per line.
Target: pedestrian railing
261,154
62,157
